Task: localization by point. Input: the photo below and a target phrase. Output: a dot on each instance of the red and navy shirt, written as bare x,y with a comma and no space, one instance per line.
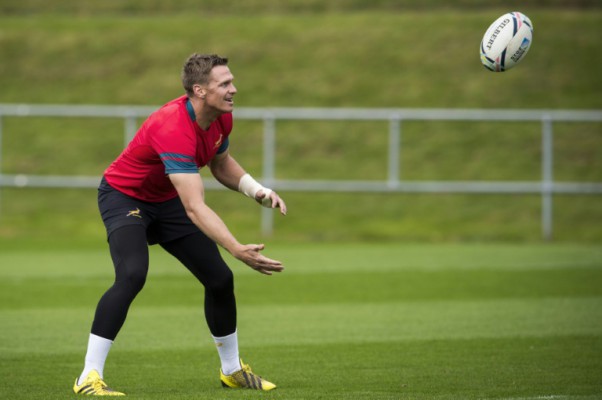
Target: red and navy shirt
168,142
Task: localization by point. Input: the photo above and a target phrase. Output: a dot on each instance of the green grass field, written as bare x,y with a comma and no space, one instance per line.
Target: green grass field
403,296
354,321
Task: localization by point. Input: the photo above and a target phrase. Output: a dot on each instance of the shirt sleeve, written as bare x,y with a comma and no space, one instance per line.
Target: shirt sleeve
175,143
177,163
224,146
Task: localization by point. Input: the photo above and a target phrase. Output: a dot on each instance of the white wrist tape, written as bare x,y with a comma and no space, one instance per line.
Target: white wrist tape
250,187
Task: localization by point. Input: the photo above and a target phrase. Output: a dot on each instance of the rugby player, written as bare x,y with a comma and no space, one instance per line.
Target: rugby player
153,194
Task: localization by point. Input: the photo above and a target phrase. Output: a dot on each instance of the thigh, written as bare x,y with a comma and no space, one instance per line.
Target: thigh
118,210
129,252
172,223
201,256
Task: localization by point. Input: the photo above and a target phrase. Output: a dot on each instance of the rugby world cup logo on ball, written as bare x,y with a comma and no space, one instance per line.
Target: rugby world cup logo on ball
506,41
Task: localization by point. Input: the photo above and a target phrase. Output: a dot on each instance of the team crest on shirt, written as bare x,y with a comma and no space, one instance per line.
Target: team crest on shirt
219,141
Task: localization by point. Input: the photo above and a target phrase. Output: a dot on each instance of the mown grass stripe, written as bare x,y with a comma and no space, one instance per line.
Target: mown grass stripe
184,327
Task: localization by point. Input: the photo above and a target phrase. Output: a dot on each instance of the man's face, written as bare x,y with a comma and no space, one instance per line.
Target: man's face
220,89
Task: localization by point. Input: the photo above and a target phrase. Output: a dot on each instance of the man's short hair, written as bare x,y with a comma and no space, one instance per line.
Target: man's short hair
197,68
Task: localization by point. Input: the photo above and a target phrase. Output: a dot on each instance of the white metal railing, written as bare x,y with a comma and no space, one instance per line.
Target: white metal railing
546,186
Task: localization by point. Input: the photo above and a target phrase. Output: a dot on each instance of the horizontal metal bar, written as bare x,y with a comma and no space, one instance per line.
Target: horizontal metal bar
380,114
49,181
67,181
37,110
501,187
367,114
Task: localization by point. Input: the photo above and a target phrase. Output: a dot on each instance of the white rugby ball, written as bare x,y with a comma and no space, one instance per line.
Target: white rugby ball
506,41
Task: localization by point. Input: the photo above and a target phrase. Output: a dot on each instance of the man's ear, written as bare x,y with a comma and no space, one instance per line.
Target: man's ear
199,91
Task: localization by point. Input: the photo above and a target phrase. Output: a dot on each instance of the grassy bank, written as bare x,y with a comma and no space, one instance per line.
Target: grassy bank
370,59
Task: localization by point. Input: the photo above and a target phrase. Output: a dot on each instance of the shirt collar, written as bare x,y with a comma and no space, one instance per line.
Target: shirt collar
190,110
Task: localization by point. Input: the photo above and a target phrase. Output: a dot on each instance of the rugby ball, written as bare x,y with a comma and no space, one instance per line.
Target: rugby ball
506,41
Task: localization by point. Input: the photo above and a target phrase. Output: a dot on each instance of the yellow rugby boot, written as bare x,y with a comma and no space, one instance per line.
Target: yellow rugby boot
245,379
93,385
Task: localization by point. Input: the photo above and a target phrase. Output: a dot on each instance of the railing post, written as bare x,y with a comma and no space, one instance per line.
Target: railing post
129,129
1,186
269,150
547,177
394,151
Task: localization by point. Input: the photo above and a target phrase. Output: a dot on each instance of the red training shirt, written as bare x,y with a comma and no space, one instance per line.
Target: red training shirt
168,142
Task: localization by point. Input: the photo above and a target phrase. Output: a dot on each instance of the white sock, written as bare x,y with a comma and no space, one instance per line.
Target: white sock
98,350
227,348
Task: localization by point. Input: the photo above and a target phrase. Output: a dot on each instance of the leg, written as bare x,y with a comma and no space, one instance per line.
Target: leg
201,256
129,252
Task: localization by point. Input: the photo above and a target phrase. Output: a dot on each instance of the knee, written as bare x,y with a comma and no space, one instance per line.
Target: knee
129,252
128,285
130,278
135,280
222,285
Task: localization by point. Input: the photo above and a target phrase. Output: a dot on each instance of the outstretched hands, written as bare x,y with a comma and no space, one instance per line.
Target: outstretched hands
250,255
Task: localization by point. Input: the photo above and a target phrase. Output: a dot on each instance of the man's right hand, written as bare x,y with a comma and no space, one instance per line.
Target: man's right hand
250,255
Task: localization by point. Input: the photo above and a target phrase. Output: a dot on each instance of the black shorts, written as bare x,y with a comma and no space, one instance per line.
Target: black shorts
164,221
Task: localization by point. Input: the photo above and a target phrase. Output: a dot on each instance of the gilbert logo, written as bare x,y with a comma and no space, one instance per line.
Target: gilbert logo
497,31
219,141
134,213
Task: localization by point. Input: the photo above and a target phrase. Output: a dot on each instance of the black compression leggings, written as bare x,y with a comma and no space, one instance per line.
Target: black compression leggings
197,252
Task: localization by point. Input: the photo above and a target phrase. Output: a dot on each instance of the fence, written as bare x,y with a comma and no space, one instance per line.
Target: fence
546,186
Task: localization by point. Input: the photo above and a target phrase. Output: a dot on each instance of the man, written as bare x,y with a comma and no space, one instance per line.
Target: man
152,193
